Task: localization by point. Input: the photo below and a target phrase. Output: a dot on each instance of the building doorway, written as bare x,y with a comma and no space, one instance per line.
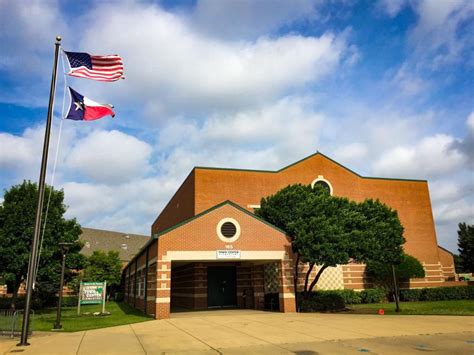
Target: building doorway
221,286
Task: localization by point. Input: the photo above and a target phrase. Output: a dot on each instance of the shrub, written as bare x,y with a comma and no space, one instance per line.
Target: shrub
118,296
5,303
410,295
438,294
325,301
372,295
69,301
350,296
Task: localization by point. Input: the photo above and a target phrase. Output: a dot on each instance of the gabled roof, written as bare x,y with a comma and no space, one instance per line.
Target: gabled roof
301,160
227,202
126,244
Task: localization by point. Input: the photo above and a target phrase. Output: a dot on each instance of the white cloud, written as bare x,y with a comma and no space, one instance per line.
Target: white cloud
257,138
110,157
437,36
466,145
353,152
431,157
408,83
129,207
455,212
181,70
18,152
247,18
27,35
391,7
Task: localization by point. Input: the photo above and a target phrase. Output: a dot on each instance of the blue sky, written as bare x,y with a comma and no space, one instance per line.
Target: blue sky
383,87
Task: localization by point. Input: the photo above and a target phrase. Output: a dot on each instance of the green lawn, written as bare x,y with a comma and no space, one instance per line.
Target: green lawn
121,314
456,308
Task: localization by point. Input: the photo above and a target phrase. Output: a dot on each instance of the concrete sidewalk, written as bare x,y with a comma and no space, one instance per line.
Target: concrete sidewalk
253,332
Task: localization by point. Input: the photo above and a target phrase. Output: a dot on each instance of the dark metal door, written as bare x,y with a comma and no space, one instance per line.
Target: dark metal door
221,286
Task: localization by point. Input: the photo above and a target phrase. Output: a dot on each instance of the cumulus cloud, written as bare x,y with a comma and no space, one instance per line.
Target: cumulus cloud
353,152
27,35
130,206
466,146
391,7
431,157
110,157
19,151
407,83
442,34
247,18
263,138
181,69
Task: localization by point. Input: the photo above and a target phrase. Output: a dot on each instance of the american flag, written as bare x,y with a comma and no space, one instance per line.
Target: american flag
95,67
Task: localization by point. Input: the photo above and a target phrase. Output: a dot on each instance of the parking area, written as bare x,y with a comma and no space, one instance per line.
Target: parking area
253,332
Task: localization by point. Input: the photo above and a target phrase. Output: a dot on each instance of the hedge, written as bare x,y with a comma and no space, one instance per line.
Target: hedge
67,301
322,302
438,294
372,295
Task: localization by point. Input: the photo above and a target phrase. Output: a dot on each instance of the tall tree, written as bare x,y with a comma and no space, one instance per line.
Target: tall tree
326,230
282,209
466,246
17,216
102,267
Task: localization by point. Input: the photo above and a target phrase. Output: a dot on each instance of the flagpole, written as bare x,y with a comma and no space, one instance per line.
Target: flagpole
39,207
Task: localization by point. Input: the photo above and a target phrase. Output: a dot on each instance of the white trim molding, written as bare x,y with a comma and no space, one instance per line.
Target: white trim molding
223,237
321,178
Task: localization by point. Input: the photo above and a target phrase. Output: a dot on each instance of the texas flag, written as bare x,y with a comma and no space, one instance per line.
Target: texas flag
85,109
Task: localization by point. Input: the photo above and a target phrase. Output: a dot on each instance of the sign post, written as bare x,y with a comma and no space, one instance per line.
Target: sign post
91,293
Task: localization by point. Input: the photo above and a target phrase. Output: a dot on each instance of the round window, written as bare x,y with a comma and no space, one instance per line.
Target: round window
228,230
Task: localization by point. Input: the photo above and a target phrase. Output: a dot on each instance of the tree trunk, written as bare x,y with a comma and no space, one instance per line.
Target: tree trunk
316,279
295,279
308,273
16,286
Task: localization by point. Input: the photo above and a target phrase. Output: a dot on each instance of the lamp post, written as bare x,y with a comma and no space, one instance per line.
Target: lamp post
64,247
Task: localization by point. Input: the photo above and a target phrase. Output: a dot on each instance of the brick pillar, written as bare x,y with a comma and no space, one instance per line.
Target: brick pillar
287,290
163,289
258,286
200,286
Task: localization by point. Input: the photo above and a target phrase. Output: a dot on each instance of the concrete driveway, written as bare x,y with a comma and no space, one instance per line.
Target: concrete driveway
255,332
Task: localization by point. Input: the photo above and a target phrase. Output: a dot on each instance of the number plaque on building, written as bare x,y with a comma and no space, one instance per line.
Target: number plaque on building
228,254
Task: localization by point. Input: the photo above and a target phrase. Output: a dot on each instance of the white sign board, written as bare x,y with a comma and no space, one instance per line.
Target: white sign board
228,254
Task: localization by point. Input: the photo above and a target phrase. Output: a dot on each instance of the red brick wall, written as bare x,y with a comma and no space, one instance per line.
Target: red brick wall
410,198
200,234
179,208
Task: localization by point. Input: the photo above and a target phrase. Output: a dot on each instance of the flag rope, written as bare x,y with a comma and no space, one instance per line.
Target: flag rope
54,168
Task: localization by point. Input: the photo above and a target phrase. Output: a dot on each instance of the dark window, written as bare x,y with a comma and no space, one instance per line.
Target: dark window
228,229
324,185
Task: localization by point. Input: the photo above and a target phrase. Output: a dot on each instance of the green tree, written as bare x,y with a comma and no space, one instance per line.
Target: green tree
458,264
466,246
102,267
17,217
281,210
382,275
327,230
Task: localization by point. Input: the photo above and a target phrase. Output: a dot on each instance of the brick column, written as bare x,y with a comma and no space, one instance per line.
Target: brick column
287,290
258,286
163,289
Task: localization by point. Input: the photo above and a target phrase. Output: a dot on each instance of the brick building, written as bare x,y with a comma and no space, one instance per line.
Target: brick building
209,250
